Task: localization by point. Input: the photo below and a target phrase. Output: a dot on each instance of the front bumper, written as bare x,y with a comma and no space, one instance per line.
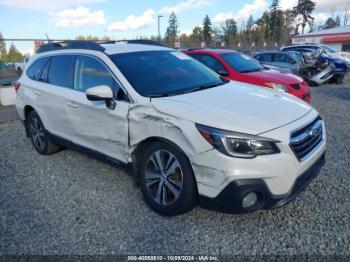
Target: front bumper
230,199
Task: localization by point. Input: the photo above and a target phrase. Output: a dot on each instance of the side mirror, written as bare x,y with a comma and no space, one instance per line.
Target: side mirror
222,72
99,93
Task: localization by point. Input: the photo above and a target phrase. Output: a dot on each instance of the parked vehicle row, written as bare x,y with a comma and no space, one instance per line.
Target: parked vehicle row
317,64
239,67
187,134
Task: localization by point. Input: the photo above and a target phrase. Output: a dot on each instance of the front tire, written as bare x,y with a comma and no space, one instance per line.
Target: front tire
39,136
166,179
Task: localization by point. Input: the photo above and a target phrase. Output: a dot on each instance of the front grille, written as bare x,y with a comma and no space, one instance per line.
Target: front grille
306,139
295,86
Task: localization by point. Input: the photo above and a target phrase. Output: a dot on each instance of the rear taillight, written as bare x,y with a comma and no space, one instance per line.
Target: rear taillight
17,86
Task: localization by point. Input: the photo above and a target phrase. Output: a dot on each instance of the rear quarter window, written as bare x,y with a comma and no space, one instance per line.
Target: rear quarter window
61,71
34,71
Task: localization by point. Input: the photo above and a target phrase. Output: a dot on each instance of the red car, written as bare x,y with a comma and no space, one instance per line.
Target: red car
239,67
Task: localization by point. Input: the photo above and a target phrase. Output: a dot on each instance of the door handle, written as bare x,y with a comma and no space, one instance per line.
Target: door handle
72,104
38,93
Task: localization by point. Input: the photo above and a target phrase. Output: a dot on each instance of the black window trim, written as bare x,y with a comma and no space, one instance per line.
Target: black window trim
48,63
128,100
42,69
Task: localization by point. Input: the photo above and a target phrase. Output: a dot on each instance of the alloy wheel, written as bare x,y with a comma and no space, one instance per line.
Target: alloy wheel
37,133
163,177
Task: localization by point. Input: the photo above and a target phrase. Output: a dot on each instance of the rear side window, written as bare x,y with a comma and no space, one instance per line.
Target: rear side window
61,71
34,71
264,57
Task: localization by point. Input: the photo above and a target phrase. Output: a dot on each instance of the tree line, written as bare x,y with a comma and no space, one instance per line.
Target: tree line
10,55
274,26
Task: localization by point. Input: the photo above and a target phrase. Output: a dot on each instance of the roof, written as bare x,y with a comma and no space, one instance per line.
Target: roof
343,30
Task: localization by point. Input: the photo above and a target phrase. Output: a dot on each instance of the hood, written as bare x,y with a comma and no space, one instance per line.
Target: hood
235,106
274,76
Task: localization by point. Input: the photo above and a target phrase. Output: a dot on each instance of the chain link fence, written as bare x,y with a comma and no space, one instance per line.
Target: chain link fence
245,47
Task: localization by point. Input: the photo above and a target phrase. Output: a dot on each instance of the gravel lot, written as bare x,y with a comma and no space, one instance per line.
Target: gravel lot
70,203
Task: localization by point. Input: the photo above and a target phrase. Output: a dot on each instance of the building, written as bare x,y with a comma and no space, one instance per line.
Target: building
338,38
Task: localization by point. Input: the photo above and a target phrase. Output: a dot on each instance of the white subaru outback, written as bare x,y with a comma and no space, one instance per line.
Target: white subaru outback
186,134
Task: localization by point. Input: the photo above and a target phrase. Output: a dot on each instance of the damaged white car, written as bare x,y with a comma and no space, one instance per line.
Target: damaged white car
188,135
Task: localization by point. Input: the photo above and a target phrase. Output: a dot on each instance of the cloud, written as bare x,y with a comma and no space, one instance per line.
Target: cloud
320,17
133,22
324,6
244,13
79,17
186,5
40,5
186,32
328,6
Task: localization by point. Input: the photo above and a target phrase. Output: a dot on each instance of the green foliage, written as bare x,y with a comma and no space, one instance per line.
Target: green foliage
2,48
172,30
197,34
304,10
330,23
14,55
207,29
229,30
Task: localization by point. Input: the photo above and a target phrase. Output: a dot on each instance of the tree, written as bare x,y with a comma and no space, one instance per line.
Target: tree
92,38
276,21
337,21
249,27
172,30
229,30
207,29
2,48
330,23
14,55
197,34
303,11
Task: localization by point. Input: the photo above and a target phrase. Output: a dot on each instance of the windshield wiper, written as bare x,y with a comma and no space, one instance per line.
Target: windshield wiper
251,70
205,86
159,95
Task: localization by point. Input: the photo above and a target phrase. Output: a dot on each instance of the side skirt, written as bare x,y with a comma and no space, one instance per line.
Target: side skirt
126,167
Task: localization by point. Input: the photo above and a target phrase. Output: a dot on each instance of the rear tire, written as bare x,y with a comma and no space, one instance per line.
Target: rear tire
39,136
166,179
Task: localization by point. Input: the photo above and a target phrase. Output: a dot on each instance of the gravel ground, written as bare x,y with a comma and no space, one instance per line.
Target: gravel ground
70,203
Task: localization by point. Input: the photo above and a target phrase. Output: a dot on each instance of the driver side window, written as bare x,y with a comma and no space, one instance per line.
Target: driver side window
89,72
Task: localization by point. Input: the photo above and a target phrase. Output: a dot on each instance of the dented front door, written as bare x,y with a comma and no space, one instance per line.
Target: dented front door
98,128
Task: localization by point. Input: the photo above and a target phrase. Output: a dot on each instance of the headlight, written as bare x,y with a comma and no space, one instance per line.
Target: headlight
278,87
238,144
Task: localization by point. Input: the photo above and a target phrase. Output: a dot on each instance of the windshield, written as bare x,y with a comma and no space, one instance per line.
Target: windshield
165,73
241,63
329,49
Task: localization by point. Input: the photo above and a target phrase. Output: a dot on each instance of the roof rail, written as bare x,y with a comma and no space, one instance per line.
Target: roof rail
90,45
132,41
71,44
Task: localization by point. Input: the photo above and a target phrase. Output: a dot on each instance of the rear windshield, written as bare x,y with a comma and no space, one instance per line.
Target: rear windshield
163,73
241,63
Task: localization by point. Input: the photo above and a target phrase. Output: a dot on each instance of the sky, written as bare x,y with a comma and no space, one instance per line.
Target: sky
65,19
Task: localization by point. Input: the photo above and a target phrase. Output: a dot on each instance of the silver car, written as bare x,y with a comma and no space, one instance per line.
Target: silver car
286,60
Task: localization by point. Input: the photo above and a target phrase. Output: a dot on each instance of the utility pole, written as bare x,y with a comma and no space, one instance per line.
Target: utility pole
159,16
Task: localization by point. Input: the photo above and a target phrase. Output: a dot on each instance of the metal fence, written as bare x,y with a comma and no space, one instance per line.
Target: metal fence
247,48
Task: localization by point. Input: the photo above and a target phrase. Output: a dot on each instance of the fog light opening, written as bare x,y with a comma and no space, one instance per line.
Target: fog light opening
249,200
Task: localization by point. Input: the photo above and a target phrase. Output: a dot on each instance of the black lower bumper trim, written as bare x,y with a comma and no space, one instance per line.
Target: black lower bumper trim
230,199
